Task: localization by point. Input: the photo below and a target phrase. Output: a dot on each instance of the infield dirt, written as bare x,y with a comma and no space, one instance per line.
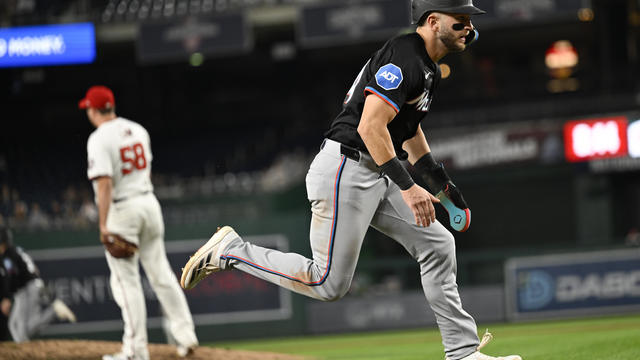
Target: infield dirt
93,350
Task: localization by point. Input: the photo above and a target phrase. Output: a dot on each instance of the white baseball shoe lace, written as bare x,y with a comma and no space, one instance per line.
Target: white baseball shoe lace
486,338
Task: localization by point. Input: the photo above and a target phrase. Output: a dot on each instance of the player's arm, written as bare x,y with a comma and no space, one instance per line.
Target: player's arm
417,146
104,189
432,172
438,180
376,115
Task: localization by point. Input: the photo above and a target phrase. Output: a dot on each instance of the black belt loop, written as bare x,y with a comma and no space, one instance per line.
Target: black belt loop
351,153
345,150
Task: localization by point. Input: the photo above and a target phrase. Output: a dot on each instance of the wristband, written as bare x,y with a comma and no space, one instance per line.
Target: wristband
426,163
397,173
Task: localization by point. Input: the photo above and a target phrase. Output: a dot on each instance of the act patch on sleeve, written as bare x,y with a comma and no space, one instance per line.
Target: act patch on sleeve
389,77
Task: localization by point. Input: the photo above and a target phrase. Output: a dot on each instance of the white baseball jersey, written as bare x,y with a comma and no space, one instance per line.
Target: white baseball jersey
121,149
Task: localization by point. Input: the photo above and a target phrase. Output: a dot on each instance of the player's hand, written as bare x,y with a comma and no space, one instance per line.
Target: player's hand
103,231
5,306
420,201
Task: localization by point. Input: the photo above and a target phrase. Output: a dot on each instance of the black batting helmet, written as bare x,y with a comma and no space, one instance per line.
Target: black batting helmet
420,7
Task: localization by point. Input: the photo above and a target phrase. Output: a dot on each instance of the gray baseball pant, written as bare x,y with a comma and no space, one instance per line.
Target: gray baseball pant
348,196
27,316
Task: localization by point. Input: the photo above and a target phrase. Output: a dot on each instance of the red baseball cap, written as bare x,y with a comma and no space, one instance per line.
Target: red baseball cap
98,97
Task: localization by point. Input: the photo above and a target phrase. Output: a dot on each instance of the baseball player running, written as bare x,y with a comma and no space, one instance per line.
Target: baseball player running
23,296
357,181
131,226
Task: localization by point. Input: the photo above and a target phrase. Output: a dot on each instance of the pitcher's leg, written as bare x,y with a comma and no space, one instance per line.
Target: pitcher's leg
434,249
165,285
127,292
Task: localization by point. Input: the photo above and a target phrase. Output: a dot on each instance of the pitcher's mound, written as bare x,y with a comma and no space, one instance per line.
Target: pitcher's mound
93,350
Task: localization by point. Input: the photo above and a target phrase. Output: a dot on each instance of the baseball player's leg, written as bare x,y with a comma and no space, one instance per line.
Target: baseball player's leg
434,249
38,317
343,198
162,278
126,220
19,316
127,292
27,317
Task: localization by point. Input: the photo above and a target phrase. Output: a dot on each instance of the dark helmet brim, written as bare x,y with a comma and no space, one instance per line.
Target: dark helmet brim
465,9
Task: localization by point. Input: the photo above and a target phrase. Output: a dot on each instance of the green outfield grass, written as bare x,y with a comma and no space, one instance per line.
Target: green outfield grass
610,338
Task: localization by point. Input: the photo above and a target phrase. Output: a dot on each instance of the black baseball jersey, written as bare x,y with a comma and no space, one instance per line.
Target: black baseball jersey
18,268
403,75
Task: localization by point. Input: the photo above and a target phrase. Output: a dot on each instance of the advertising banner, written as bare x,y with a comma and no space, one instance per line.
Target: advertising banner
177,40
573,284
80,278
495,146
514,12
398,310
596,138
47,45
337,23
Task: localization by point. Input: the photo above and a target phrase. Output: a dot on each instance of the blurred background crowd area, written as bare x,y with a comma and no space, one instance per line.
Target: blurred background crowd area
236,95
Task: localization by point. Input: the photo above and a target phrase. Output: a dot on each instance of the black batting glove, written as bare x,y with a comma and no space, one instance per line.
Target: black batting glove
437,179
455,195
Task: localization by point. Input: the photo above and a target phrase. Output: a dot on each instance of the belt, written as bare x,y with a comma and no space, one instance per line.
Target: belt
361,157
345,150
349,152
129,197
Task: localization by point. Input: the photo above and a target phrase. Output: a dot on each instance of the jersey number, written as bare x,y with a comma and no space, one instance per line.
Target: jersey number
132,158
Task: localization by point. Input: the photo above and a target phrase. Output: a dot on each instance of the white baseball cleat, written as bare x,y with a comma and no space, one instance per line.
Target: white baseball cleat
118,356
62,311
185,351
207,259
122,356
480,356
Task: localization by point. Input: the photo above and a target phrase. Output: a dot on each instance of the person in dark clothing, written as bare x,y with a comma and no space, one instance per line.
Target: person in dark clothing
357,181
5,306
24,299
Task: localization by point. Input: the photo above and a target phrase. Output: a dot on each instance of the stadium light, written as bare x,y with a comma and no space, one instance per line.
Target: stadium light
561,59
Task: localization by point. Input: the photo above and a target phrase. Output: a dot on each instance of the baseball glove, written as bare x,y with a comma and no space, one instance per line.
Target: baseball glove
117,246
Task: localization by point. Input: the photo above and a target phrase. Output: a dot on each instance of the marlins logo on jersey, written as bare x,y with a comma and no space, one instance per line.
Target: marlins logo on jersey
424,100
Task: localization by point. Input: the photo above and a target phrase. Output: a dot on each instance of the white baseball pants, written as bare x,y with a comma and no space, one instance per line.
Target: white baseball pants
139,220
